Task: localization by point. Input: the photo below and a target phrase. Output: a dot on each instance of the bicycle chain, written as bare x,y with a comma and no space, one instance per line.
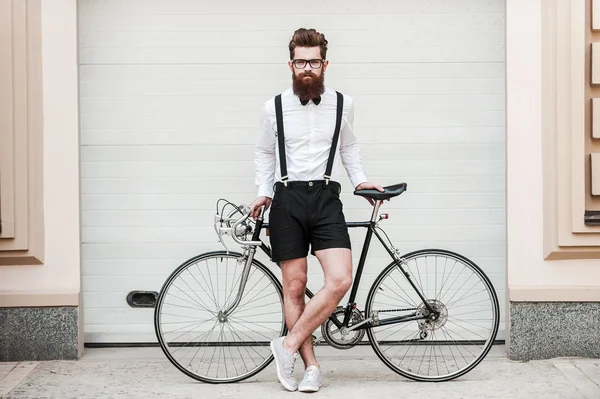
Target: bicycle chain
397,310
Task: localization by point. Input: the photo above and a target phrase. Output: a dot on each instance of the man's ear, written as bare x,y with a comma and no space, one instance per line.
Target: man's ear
291,66
325,64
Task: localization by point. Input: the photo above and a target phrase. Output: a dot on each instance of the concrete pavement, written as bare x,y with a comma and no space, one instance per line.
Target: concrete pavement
356,373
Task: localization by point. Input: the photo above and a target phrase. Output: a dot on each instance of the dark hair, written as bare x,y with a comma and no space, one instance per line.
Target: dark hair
308,38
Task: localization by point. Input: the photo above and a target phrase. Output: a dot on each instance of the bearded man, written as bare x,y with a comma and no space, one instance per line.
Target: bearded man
303,132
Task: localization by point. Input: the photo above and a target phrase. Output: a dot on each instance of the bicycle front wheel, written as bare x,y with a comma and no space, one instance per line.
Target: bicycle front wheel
452,342
199,338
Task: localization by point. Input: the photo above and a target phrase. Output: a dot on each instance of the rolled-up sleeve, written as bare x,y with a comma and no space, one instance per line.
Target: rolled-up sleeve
349,150
264,155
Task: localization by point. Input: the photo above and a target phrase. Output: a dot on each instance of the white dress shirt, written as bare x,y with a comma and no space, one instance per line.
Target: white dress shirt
308,131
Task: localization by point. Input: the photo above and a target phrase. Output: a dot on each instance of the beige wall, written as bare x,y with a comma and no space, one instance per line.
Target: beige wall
530,277
57,281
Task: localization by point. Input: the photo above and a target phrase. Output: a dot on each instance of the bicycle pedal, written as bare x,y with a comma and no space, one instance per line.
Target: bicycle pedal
317,341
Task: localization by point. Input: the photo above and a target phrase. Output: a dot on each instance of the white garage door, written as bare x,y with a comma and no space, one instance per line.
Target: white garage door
170,100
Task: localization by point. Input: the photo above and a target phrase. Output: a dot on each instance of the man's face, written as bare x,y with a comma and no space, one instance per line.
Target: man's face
307,53
308,79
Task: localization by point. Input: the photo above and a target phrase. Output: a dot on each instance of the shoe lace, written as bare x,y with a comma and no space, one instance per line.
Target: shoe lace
311,375
289,366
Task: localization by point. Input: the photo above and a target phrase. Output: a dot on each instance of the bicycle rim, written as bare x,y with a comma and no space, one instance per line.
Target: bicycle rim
195,335
434,350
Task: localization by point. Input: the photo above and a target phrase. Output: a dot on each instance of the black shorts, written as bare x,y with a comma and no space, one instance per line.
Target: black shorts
303,214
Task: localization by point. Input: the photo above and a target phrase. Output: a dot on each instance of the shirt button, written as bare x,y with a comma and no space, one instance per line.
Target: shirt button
310,183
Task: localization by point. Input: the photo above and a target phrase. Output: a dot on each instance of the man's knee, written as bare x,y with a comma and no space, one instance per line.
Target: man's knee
294,278
340,284
295,288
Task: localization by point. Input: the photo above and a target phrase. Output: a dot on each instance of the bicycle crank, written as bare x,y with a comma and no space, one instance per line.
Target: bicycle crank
343,338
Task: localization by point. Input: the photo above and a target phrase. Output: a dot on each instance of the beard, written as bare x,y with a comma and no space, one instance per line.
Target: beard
306,88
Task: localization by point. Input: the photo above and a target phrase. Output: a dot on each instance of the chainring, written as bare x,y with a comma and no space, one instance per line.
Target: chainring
334,337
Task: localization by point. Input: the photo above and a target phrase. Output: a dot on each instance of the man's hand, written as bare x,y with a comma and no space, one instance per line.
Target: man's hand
367,185
256,204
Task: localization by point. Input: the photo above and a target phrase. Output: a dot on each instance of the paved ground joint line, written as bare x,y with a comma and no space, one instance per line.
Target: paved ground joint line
579,379
15,376
591,370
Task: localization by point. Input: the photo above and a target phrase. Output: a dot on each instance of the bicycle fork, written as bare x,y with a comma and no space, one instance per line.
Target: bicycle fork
243,280
248,256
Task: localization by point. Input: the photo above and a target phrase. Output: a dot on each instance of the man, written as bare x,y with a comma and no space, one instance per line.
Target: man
294,151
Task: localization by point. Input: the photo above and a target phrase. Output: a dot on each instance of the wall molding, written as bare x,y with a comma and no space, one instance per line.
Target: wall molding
21,133
564,80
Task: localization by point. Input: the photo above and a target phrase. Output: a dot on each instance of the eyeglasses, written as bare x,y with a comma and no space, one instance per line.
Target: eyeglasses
314,64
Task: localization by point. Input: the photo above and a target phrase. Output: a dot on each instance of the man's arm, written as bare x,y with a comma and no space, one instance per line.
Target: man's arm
350,154
264,155
265,162
349,151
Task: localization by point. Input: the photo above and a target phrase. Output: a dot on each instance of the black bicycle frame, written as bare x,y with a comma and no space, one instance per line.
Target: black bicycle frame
371,229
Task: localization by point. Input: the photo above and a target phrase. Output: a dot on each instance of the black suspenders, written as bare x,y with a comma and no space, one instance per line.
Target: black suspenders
281,138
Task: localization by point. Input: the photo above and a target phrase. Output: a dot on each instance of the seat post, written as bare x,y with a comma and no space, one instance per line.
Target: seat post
375,210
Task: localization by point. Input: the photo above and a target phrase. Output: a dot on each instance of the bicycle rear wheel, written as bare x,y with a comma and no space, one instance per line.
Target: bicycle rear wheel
452,344
193,331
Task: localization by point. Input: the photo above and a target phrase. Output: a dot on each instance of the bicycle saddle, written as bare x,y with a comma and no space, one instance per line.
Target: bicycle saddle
390,191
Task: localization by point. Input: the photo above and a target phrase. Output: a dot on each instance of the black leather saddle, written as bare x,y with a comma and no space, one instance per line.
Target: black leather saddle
390,191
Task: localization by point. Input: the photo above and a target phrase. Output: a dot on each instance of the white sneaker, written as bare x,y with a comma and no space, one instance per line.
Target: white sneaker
312,381
285,363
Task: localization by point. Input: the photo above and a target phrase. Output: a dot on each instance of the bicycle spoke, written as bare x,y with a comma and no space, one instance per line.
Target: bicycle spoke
191,303
251,347
403,298
410,301
186,294
447,278
449,301
419,274
200,285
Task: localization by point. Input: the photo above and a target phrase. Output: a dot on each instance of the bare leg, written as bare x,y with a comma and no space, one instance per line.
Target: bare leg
294,274
337,266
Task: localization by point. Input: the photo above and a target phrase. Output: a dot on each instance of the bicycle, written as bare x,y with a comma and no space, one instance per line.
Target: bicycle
446,321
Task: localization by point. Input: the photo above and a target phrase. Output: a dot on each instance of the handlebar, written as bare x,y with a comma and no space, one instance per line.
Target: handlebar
236,227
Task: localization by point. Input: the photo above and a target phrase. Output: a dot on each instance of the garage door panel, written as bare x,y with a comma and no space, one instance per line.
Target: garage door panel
246,168
389,103
268,55
198,185
213,87
218,135
187,250
282,25
202,39
163,267
208,201
400,217
212,152
188,72
206,233
142,7
204,119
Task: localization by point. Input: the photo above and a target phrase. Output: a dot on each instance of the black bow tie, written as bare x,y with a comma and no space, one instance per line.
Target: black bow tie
316,100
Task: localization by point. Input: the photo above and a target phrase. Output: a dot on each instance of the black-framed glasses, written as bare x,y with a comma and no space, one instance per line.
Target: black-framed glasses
301,64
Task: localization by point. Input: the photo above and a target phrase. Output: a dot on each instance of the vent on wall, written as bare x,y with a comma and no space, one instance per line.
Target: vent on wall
142,299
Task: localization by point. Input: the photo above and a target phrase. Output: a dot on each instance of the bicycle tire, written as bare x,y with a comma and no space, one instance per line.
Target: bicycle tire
194,301
440,344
